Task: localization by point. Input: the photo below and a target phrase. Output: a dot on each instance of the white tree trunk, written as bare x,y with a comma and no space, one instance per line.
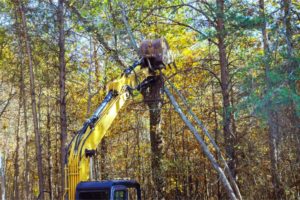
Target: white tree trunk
2,173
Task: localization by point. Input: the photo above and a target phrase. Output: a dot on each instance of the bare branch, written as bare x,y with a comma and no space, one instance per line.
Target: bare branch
91,28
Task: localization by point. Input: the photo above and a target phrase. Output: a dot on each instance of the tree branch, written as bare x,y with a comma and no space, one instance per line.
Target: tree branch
92,29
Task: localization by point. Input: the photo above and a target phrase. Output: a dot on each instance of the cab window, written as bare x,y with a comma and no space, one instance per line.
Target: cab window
120,195
94,195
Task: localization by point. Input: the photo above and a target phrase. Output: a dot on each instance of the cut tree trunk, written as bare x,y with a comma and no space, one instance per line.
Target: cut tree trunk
153,98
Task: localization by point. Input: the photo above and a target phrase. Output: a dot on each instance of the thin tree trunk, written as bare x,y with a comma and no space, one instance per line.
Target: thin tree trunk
3,176
21,10
103,145
126,155
183,160
26,160
103,164
96,64
137,132
228,135
233,129
89,86
273,130
49,149
57,156
216,133
23,100
128,27
62,97
16,162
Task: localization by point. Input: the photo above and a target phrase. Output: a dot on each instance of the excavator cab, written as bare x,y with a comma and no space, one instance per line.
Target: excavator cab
108,190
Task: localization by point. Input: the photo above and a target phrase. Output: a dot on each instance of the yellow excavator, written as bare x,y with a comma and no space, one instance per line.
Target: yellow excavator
154,56
79,178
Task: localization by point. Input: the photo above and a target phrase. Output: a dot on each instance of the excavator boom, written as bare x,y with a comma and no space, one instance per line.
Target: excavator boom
88,138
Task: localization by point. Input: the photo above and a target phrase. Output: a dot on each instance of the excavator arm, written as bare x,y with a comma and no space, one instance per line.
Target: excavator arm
83,145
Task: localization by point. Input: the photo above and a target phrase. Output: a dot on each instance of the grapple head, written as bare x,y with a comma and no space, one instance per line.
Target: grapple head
155,54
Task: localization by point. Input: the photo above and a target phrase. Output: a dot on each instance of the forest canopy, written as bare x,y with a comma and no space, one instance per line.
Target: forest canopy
237,68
